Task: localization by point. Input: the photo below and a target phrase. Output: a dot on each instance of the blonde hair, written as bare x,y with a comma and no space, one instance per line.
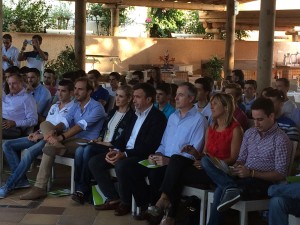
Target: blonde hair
228,103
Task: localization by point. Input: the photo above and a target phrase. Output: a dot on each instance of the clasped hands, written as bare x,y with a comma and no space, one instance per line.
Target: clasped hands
113,156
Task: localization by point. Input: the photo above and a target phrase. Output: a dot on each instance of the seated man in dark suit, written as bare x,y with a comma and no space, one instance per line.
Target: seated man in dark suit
138,141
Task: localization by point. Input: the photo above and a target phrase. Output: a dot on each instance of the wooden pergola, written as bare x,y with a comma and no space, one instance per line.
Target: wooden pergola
225,10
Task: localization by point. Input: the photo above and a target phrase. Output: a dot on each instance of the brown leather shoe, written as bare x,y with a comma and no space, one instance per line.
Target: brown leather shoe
108,205
54,150
34,193
122,209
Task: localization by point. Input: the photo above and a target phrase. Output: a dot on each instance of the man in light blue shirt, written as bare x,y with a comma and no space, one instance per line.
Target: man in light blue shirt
40,93
84,120
34,143
185,127
19,109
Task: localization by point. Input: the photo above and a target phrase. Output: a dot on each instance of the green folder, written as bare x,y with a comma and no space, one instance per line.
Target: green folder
147,164
98,196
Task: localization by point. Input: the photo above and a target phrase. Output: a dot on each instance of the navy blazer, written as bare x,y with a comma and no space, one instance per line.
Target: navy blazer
149,136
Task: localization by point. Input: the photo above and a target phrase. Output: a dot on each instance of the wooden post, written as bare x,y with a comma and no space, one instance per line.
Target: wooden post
80,32
265,43
115,21
1,151
230,38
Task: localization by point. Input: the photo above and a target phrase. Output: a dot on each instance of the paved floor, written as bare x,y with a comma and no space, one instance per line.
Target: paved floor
63,211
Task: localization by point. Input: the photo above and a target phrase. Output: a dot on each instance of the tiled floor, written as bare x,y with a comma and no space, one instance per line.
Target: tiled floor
63,211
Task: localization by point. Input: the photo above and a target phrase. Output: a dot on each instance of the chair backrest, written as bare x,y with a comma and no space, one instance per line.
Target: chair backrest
293,153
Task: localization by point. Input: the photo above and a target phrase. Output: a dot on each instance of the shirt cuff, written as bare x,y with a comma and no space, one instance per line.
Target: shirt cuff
82,124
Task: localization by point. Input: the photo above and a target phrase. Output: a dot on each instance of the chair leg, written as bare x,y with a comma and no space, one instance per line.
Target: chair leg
203,206
134,208
243,217
72,179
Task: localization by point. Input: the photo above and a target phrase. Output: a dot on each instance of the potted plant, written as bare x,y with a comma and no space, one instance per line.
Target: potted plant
215,67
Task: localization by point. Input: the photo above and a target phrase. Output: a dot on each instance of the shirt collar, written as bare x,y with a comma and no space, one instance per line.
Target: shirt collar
145,113
22,92
192,111
270,131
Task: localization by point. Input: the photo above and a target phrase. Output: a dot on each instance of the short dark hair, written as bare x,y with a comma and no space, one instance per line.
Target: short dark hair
67,83
252,82
69,75
12,70
7,36
165,87
285,81
95,72
191,88
275,93
49,71
39,37
148,89
89,85
35,71
116,75
266,90
24,69
239,73
139,73
263,104
205,83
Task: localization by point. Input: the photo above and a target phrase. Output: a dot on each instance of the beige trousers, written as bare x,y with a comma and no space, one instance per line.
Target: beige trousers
69,146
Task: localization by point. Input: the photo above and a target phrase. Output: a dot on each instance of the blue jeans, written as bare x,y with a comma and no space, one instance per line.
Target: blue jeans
223,181
12,148
251,188
285,200
82,176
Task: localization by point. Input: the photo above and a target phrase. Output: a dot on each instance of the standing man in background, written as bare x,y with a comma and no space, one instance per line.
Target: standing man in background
35,58
9,53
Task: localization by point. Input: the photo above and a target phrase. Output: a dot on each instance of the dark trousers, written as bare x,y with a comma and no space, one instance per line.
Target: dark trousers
12,133
180,172
143,193
99,169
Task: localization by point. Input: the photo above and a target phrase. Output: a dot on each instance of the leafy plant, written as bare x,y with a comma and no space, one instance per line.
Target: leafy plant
166,21
65,62
214,67
62,14
31,16
102,17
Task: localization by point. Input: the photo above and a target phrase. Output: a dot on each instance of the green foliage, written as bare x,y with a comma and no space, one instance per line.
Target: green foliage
30,16
193,26
214,67
166,21
102,17
239,35
60,16
65,62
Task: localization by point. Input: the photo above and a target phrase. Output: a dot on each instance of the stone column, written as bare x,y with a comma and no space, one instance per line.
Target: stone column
115,21
230,38
80,32
265,44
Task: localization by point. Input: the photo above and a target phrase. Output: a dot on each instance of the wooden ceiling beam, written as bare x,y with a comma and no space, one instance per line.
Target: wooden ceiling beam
163,4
